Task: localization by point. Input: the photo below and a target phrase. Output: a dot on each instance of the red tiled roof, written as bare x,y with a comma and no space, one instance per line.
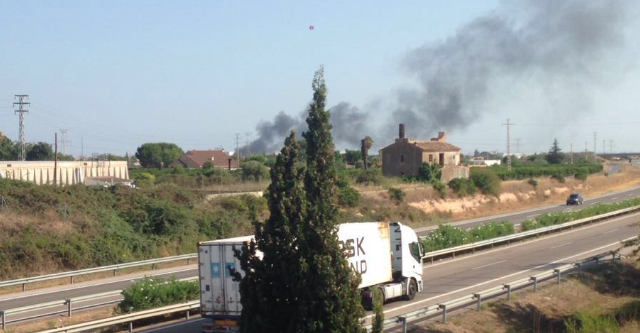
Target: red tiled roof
197,158
435,146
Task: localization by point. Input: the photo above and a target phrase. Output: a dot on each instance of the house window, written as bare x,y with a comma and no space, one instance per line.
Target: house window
402,158
430,158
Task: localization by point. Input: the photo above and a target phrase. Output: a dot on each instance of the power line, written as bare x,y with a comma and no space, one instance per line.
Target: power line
64,140
508,124
21,111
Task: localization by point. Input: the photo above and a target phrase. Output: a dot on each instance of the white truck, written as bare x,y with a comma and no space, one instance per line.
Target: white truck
388,256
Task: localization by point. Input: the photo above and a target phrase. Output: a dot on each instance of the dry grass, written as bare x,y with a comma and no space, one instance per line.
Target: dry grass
547,310
59,321
519,195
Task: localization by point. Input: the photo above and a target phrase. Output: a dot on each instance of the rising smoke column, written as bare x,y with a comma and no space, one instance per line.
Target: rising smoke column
543,40
570,43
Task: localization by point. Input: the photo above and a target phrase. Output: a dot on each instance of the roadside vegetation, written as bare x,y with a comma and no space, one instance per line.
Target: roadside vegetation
447,236
550,219
601,299
154,292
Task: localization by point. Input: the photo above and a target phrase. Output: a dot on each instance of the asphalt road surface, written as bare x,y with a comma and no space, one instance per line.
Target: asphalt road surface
10,301
466,275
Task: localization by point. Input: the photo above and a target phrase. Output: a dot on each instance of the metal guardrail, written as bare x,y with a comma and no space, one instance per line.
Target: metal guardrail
521,235
114,268
441,309
68,303
128,318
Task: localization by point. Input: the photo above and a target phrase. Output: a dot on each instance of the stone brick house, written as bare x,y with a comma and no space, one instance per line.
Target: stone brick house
404,157
195,159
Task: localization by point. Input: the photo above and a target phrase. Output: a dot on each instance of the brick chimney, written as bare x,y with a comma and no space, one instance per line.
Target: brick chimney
442,137
401,131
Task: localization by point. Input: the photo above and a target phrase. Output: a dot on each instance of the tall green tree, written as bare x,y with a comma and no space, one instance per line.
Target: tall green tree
555,156
40,151
330,301
269,289
155,155
366,144
8,151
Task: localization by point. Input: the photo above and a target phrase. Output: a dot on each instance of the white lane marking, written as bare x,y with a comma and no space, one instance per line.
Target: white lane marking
532,215
615,198
560,245
496,279
92,285
483,266
610,231
502,248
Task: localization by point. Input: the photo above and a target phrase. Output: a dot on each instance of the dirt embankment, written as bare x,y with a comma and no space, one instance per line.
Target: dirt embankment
519,194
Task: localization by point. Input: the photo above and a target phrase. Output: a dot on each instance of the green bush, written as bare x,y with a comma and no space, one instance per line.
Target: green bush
463,187
447,236
559,177
154,292
486,180
397,195
371,176
545,170
533,183
550,219
581,175
348,197
440,187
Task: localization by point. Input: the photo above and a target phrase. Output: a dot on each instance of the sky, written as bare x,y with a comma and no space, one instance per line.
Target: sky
216,74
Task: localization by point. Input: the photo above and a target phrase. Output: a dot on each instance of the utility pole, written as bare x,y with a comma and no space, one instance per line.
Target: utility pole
55,162
610,146
238,148
572,153
595,139
22,155
63,139
508,124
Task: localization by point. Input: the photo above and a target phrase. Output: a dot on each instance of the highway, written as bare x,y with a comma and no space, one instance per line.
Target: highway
10,301
463,276
520,216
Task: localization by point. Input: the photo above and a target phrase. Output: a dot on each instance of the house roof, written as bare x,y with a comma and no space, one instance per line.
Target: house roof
435,146
197,158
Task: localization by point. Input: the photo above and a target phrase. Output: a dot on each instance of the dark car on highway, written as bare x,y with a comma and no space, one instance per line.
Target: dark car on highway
575,199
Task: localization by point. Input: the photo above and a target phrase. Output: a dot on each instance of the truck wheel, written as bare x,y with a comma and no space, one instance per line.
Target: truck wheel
412,290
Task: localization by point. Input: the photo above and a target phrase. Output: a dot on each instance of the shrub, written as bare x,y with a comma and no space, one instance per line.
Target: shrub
371,176
581,175
447,236
429,172
153,292
463,187
486,180
440,187
533,183
348,197
397,195
559,177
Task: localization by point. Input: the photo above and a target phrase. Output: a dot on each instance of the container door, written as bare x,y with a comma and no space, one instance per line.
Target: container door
232,288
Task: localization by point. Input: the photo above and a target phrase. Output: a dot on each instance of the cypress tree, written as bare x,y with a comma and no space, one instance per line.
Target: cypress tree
329,299
269,288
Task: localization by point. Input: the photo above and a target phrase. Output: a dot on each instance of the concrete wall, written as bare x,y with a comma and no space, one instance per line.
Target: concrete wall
402,158
450,172
69,173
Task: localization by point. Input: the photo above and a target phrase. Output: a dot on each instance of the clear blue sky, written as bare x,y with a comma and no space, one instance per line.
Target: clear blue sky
121,73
